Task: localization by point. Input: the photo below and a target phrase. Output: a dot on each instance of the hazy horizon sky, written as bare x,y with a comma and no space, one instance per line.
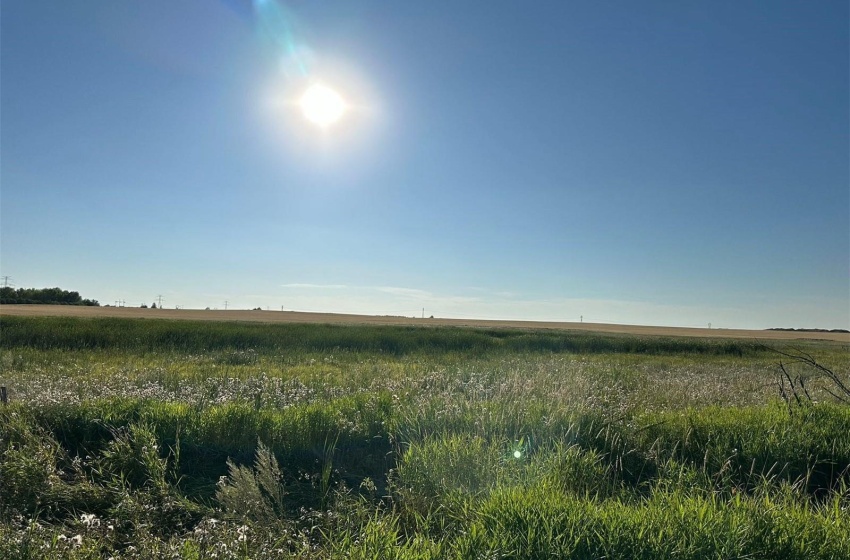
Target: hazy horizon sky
650,162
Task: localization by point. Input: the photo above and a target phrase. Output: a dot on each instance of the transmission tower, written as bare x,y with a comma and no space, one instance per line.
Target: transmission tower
159,297
225,304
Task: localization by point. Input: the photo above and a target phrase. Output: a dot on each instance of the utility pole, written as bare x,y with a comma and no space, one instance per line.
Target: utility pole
581,318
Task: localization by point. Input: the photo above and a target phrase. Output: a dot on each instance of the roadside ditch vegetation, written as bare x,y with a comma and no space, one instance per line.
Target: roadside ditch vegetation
176,439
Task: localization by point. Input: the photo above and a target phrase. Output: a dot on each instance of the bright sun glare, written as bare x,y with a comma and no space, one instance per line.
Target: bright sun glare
322,105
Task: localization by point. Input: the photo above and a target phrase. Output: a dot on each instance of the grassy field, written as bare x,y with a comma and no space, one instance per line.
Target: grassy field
183,439
258,316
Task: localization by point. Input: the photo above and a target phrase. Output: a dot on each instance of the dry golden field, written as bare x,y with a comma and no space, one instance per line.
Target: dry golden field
337,318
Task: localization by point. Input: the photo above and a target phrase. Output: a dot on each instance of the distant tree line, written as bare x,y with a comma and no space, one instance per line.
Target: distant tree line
809,330
54,296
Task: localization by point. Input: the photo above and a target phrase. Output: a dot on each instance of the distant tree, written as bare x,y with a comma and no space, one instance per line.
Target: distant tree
153,305
144,306
51,296
8,295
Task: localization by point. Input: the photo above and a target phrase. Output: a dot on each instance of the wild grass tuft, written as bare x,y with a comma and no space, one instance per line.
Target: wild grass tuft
253,494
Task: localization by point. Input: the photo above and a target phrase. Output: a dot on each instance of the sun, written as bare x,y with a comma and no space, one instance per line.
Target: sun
322,105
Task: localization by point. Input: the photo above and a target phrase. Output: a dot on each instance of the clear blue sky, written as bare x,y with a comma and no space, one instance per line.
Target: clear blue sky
665,163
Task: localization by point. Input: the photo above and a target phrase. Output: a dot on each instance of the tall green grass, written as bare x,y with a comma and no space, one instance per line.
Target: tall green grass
308,441
200,336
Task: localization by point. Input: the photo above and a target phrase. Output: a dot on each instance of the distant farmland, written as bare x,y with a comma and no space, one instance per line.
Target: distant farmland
344,319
